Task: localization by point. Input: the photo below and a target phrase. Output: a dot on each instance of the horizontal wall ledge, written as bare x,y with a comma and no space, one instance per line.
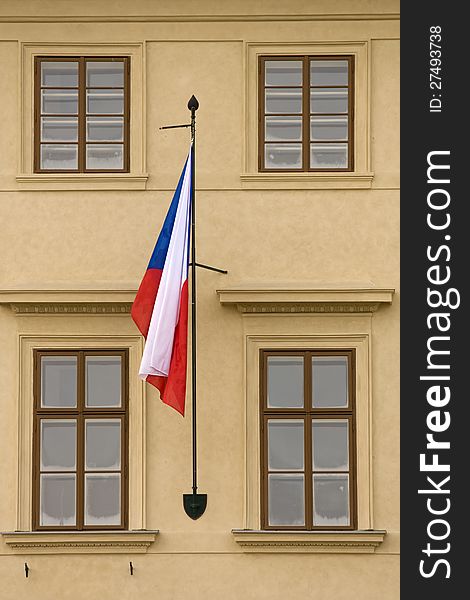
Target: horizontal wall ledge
43,182
290,299
99,298
307,181
79,542
332,542
46,17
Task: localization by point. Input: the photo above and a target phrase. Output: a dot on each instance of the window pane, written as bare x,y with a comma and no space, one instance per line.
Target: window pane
330,445
59,102
329,72
283,156
287,100
283,72
59,74
59,381
331,500
330,381
105,73
102,499
105,129
329,128
105,101
328,101
57,500
103,381
283,129
59,129
58,444
286,499
102,444
109,156
285,445
329,156
59,157
285,382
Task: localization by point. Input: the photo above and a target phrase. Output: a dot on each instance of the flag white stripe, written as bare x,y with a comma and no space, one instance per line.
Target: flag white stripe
159,344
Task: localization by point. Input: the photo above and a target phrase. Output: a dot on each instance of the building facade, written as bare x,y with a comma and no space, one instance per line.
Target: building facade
297,179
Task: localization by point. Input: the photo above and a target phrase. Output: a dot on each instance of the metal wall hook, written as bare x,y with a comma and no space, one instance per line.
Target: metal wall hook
131,568
26,569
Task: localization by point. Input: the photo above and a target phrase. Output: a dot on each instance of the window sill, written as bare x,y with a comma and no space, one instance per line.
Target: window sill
79,542
308,181
332,542
81,181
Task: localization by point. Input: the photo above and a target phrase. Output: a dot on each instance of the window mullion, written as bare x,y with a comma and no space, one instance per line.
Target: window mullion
308,473
305,114
81,115
308,441
80,463
80,439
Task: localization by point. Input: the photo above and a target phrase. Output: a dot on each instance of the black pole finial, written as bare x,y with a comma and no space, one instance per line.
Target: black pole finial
193,103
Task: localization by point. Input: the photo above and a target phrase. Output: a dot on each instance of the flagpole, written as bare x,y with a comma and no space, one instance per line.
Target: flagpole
193,105
194,504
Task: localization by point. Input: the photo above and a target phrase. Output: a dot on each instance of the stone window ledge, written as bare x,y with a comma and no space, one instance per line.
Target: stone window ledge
332,542
81,181
79,542
308,181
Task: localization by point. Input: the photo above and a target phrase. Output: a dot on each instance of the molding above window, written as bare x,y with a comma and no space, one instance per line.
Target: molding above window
71,308
362,176
285,299
332,542
134,180
90,299
79,542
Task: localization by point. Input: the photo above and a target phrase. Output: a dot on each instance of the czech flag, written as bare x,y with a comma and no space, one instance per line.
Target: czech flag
160,309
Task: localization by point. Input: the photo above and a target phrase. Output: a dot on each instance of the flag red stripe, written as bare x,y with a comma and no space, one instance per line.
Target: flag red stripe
144,302
175,389
158,382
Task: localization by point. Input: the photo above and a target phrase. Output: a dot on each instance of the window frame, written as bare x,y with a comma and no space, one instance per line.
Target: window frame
307,414
305,115
82,114
81,413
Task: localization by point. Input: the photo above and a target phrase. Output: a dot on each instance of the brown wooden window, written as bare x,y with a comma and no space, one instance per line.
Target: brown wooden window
306,113
308,440
81,115
80,439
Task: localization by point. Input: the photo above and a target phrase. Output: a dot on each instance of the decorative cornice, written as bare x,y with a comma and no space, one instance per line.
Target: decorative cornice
309,541
39,542
72,308
253,299
100,298
320,307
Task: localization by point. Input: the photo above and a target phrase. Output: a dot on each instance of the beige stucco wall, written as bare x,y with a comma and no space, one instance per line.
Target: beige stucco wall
87,238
